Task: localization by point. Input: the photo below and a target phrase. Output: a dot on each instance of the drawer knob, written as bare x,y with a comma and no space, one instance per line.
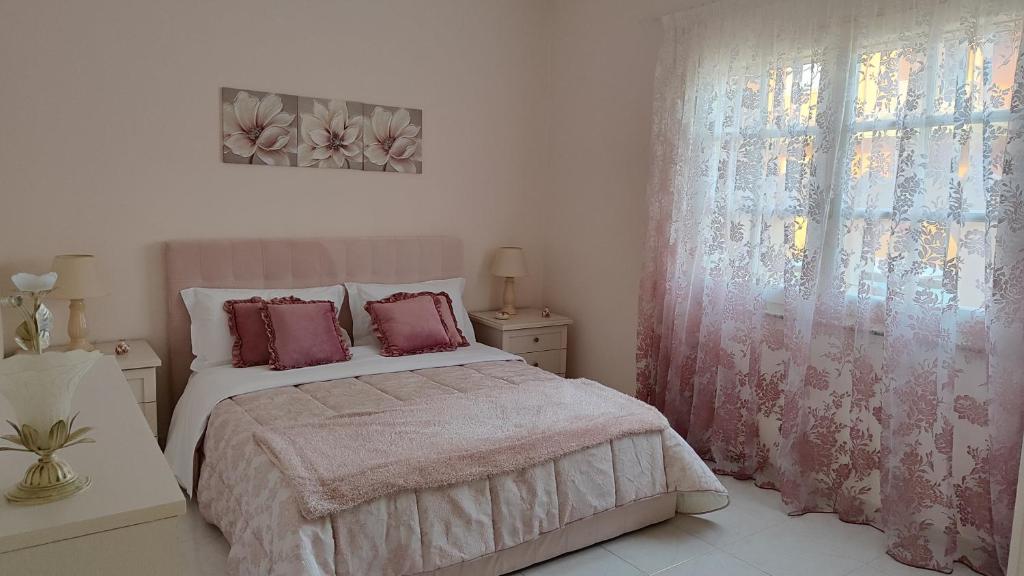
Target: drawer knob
536,339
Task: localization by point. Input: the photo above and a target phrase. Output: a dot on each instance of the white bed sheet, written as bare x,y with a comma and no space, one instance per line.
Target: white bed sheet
207,387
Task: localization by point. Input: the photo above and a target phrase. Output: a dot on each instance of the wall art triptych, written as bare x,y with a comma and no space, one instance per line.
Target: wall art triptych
269,129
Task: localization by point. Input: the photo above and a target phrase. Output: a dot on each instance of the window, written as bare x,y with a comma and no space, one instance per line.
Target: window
943,110
921,149
766,148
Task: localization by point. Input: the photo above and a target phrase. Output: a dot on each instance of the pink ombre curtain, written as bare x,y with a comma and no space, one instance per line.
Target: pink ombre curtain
833,297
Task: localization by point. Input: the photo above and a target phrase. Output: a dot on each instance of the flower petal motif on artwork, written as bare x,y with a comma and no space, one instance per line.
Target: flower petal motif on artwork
321,153
273,157
403,148
320,137
404,165
274,138
321,113
293,140
246,107
339,116
306,155
335,107
240,145
352,151
309,123
230,121
280,119
399,121
339,157
268,108
376,153
410,131
351,134
381,121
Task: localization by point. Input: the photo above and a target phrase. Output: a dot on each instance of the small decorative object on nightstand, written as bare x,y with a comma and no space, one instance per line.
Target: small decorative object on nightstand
122,348
540,340
139,365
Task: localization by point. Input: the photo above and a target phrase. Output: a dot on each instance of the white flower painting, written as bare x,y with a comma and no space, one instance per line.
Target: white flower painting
393,140
331,133
258,127
264,128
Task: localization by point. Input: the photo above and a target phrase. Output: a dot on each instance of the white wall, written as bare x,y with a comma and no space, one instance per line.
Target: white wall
603,55
111,123
536,117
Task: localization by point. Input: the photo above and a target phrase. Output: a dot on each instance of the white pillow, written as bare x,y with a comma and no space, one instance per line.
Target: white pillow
360,294
211,339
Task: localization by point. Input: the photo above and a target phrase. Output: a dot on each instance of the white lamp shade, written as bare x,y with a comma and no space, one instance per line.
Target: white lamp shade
78,277
509,262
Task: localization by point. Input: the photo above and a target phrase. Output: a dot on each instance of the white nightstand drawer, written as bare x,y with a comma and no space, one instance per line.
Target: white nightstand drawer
534,340
149,411
142,381
550,360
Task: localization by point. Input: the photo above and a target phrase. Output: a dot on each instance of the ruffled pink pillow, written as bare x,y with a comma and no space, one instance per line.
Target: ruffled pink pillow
444,304
303,333
245,321
407,323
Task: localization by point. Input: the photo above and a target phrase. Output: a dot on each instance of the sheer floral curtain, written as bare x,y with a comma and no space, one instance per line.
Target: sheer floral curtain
833,297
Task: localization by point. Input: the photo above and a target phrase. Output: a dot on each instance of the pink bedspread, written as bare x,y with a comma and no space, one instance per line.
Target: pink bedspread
421,531
337,462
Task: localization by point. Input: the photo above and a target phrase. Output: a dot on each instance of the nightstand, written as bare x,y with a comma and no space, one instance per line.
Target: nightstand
540,341
139,367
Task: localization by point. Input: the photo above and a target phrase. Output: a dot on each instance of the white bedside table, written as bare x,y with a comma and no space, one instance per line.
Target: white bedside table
139,367
540,341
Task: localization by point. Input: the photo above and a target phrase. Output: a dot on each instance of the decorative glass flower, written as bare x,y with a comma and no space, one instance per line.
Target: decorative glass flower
331,137
33,335
34,284
258,127
392,140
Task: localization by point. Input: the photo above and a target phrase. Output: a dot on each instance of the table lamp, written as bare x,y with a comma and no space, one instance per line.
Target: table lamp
77,279
510,264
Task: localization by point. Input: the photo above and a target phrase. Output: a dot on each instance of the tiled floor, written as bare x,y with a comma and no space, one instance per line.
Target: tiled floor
752,537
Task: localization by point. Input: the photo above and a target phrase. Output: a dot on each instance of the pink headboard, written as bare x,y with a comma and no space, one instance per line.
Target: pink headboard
291,263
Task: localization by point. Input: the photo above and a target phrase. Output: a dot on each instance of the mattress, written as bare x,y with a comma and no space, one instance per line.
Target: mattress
489,526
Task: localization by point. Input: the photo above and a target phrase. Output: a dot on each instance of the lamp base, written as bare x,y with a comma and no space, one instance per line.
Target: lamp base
48,480
78,327
79,345
509,297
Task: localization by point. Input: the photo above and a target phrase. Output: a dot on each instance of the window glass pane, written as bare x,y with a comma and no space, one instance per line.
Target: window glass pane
882,84
792,95
1001,54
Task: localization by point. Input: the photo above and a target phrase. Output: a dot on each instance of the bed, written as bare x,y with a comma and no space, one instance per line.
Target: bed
485,526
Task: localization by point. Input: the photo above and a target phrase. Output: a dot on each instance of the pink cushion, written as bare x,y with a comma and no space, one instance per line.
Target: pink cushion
408,323
245,321
444,305
304,333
